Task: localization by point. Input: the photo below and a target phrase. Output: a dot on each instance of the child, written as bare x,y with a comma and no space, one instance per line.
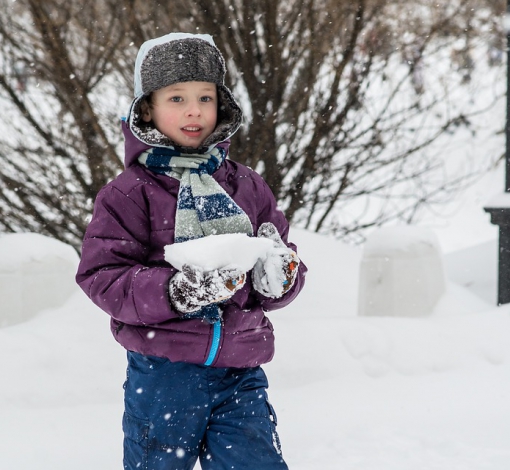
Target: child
195,338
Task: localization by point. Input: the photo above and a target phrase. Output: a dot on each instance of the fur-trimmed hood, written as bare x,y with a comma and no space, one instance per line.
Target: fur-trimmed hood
133,146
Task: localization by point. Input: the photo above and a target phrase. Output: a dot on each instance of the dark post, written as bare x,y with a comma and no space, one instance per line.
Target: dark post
500,210
507,124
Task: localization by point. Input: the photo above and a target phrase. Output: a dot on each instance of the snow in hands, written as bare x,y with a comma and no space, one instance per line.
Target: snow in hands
274,264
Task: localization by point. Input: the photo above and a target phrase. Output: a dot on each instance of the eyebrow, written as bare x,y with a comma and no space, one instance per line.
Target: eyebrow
205,88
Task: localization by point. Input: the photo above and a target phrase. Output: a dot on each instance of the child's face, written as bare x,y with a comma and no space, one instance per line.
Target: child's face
185,112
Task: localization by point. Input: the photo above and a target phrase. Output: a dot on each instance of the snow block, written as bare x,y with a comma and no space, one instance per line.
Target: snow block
36,273
401,273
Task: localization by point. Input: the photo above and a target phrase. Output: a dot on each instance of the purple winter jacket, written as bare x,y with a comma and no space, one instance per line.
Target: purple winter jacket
123,270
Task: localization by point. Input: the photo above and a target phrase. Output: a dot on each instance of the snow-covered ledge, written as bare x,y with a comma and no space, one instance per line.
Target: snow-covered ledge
499,201
499,209
401,273
36,273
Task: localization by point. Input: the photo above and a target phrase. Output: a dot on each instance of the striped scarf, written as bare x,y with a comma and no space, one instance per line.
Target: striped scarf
203,206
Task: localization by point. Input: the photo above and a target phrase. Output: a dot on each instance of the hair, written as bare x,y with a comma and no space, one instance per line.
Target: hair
147,100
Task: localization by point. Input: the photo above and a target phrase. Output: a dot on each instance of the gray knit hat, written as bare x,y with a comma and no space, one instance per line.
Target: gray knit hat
176,58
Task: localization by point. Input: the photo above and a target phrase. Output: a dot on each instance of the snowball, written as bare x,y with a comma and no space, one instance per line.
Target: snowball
231,250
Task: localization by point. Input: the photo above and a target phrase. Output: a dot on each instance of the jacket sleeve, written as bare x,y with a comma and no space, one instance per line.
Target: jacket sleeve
113,269
269,212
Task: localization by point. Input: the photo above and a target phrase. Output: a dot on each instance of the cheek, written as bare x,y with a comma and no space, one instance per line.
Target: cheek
213,116
166,118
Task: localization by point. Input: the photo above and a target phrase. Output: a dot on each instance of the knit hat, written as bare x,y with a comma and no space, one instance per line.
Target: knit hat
176,58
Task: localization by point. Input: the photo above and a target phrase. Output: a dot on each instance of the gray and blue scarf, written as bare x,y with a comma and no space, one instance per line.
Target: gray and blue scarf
203,206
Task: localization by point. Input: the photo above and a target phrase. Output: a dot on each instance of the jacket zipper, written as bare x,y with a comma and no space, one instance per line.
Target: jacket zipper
215,344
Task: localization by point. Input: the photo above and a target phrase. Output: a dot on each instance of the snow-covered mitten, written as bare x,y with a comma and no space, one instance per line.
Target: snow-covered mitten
275,274
191,289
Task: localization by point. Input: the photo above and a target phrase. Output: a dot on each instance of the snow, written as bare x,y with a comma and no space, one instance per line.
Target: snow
401,272
231,251
499,201
31,265
403,241
351,392
22,248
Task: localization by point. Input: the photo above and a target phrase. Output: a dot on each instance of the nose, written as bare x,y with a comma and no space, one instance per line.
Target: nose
193,109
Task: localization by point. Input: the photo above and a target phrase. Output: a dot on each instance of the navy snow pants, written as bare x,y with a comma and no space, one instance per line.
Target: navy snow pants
176,413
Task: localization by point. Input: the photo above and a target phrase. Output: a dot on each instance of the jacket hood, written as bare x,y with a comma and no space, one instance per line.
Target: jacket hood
176,58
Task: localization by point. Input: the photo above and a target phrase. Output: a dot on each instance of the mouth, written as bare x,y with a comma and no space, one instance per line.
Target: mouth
191,131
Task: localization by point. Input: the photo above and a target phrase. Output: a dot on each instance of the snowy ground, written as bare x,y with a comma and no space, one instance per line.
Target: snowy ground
351,393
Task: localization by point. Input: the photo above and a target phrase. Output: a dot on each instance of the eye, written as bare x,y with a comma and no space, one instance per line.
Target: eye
206,99
175,99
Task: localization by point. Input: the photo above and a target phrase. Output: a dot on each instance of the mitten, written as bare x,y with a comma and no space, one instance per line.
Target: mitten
191,289
275,274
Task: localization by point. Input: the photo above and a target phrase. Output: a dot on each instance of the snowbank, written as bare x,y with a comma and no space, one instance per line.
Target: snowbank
401,272
36,273
351,392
